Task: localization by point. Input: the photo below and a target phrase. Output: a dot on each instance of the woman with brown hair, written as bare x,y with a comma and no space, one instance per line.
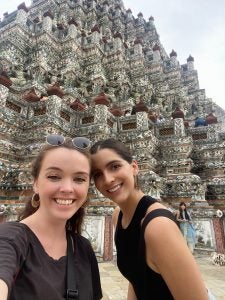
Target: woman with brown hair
151,252
33,251
186,226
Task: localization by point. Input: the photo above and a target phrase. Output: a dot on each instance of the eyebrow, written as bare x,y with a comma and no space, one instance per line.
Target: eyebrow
53,168
108,164
58,169
112,161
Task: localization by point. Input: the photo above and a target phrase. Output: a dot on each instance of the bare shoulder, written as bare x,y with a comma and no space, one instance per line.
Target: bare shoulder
162,237
115,215
161,225
156,205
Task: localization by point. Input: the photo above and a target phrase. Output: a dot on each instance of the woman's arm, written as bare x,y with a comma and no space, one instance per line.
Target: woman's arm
13,251
3,290
131,294
178,217
168,254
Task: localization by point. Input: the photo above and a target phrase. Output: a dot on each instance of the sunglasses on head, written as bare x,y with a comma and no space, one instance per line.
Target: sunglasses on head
79,142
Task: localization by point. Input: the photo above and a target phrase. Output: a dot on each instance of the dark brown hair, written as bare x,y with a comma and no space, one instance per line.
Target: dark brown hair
114,145
75,222
119,148
187,217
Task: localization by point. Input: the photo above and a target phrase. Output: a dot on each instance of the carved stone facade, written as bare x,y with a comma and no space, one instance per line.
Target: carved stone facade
91,68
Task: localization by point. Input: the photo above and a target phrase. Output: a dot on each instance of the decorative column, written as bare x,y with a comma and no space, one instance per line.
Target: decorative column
108,239
72,31
219,234
190,63
151,21
54,105
137,47
4,91
21,17
129,15
95,34
179,129
105,6
101,108
118,44
156,53
5,83
47,22
173,58
142,121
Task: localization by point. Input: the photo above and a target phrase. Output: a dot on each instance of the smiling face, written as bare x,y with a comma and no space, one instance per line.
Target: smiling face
62,183
113,176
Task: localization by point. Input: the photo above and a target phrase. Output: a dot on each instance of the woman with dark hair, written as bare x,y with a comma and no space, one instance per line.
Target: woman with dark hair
186,226
33,251
148,242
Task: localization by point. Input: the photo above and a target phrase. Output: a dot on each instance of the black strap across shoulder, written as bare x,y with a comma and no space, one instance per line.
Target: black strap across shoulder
159,212
71,287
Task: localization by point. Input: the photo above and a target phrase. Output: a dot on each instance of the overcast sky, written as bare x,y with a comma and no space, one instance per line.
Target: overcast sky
195,27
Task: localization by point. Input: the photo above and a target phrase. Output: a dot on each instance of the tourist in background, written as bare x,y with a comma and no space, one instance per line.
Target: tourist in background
186,226
151,252
33,262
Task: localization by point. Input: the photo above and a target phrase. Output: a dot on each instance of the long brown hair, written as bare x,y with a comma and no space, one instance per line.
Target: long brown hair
187,216
75,222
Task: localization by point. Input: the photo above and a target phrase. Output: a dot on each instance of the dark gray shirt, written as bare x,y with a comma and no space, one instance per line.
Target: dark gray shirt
31,273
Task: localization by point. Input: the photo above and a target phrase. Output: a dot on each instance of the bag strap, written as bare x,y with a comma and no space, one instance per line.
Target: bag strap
71,287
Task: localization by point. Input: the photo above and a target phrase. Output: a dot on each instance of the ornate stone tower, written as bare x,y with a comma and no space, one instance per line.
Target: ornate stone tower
91,68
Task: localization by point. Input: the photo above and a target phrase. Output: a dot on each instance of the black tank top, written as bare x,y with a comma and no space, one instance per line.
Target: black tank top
131,260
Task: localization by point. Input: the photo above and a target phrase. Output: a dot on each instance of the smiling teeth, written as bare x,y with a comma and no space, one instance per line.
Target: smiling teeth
115,188
64,202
